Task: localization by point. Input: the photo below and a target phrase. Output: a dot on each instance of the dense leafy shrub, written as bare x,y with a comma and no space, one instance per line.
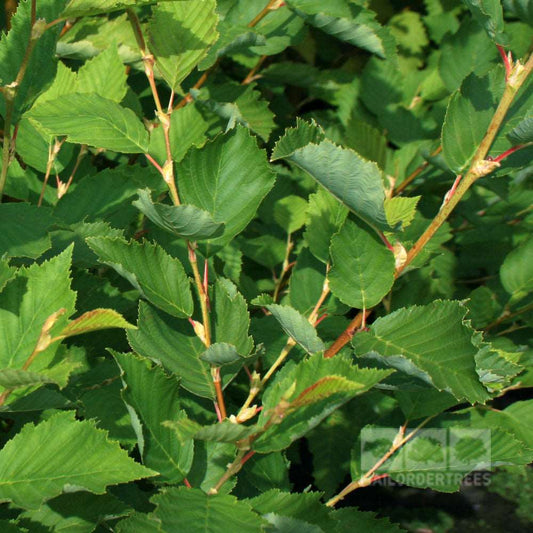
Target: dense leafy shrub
250,246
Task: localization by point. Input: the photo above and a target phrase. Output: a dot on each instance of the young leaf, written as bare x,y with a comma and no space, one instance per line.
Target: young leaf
301,135
93,120
228,178
152,398
435,339
351,179
363,267
298,327
180,35
171,343
14,378
159,277
523,132
95,320
317,387
25,305
74,455
185,221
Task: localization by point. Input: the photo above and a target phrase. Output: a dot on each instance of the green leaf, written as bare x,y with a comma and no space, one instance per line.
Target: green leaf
435,339
523,132
467,119
82,8
187,129
300,136
7,273
228,178
237,104
325,216
14,378
95,320
93,120
152,398
221,353
351,179
24,230
78,512
308,392
304,506
159,277
191,510
225,431
104,75
74,456
232,320
347,22
185,221
366,521
363,267
516,273
171,342
180,36
489,14
295,325
401,209
42,63
27,302
289,212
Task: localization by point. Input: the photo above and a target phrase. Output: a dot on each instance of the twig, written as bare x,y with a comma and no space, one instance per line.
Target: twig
368,478
407,181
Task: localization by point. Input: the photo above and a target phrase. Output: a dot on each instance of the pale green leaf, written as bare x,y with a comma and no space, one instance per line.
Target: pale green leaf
289,212
27,302
301,135
363,267
173,344
72,456
104,75
93,120
95,320
14,378
185,221
401,209
180,35
152,398
82,8
159,277
336,381
6,273
228,178
325,216
187,129
435,339
225,431
295,325
516,273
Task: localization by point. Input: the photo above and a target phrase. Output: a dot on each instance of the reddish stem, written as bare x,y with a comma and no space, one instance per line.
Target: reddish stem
186,483
505,58
386,241
249,455
507,153
155,163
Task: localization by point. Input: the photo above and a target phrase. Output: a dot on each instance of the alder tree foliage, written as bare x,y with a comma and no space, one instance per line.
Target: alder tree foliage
232,227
